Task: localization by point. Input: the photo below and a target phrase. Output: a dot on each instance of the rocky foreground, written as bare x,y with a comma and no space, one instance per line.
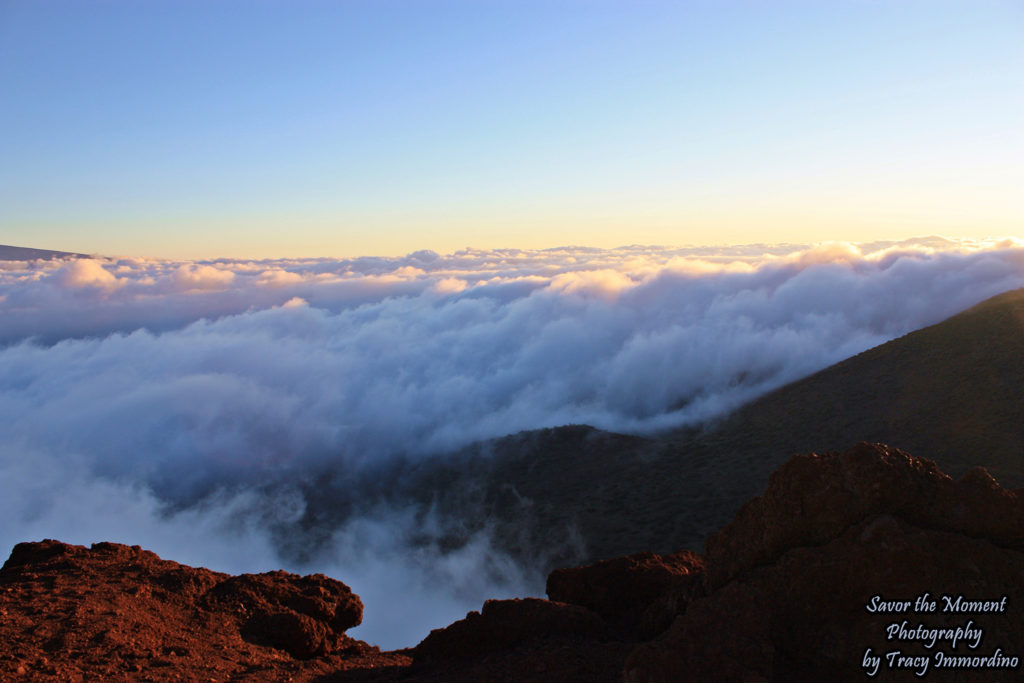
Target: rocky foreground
869,561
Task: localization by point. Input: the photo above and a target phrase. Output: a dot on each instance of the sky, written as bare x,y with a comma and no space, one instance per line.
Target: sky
348,236
259,129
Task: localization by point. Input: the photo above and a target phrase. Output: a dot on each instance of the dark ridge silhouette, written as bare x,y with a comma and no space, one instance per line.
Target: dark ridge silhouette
8,253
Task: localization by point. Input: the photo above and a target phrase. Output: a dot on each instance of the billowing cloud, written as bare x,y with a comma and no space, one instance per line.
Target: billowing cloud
85,273
279,277
190,278
153,402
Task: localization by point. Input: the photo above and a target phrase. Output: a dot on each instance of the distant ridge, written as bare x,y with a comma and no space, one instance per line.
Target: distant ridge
8,253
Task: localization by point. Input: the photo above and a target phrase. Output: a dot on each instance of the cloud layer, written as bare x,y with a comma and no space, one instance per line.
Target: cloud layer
152,402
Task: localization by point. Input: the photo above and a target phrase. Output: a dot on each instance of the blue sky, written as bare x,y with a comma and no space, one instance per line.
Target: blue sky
200,129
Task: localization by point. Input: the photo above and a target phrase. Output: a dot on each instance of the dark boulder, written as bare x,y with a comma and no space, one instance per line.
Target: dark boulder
796,582
506,624
639,594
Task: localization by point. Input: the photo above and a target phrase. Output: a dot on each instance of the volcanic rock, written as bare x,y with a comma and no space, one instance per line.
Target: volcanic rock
813,499
295,613
639,594
793,580
114,612
522,640
504,624
846,556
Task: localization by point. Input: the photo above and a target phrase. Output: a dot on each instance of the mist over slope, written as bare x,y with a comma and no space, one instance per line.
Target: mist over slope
949,390
193,407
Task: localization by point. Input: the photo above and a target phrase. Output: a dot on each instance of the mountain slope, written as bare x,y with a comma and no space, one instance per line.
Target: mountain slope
954,390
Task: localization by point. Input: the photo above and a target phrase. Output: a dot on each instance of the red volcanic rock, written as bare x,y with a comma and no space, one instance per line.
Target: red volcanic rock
805,616
639,594
522,640
725,638
813,499
505,624
299,614
793,579
114,612
822,571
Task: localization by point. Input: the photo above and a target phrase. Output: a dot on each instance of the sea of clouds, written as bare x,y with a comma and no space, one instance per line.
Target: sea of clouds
169,404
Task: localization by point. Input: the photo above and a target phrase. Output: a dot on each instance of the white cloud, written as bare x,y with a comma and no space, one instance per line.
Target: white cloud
85,273
278,277
123,397
189,277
